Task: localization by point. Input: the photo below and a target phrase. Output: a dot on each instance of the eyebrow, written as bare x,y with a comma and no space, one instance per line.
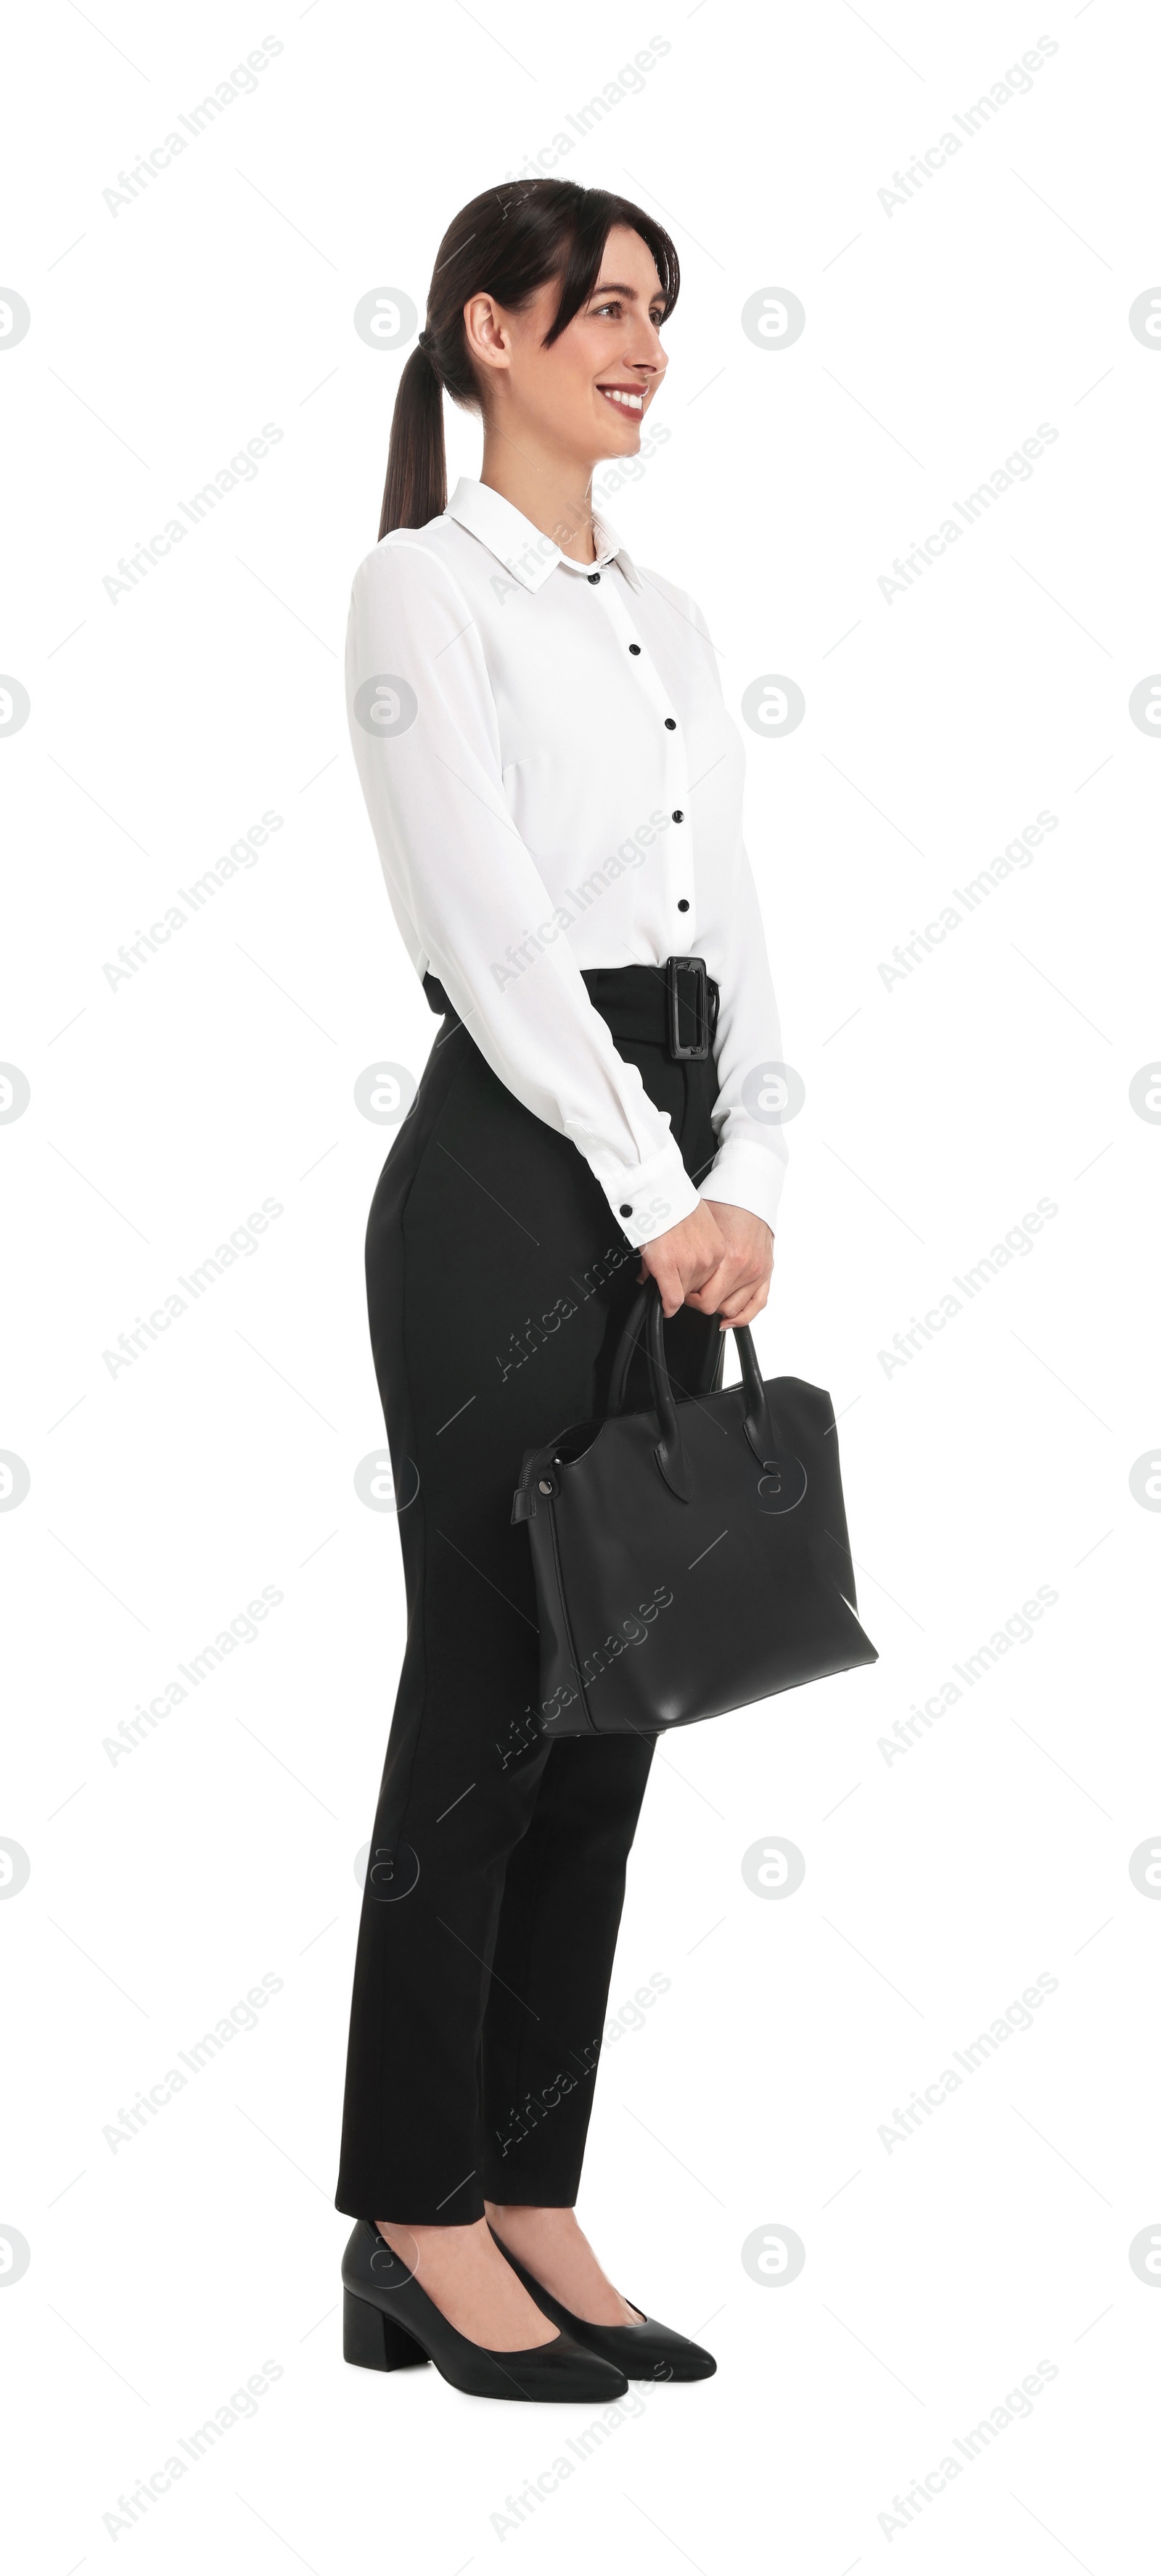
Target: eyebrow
614,288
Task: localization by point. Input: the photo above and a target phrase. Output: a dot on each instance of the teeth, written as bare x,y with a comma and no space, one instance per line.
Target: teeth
628,402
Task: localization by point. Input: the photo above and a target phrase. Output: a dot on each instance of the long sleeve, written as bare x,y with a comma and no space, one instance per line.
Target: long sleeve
467,893
750,1165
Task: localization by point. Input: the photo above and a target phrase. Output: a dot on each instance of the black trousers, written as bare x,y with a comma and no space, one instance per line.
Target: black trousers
497,1283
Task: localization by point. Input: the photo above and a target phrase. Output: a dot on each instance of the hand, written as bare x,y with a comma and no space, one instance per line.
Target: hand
685,1258
739,1288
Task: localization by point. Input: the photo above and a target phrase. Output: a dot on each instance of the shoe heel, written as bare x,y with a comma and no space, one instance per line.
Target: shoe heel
374,2341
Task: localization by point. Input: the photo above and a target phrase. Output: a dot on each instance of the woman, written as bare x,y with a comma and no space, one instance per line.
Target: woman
555,787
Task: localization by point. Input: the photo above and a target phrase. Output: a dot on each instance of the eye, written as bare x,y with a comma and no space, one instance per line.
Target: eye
614,305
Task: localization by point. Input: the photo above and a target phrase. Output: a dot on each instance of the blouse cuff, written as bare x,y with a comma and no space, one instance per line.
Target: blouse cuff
654,1196
747,1176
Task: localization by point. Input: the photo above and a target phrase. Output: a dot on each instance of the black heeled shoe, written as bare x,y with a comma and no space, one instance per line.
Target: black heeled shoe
389,2323
645,2351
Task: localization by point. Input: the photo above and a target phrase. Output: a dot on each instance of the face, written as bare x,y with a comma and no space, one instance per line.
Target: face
585,397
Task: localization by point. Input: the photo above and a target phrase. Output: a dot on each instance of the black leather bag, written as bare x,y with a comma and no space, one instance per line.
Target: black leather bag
690,1558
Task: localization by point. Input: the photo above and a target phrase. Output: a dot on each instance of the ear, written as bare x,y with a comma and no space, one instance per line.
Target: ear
488,338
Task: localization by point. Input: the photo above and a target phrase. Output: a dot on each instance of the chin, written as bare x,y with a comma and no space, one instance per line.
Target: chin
624,446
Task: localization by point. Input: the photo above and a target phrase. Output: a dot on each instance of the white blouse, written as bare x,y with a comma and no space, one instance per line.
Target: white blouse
554,783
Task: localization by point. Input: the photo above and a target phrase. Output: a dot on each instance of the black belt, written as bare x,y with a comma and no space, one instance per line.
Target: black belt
674,1006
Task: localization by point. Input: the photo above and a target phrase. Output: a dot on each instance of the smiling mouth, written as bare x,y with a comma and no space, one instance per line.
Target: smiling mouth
624,397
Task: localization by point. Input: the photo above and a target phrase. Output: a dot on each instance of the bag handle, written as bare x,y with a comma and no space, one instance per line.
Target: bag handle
647,1311
670,1449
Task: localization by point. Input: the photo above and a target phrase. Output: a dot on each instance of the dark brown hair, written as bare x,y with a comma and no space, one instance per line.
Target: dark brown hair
506,243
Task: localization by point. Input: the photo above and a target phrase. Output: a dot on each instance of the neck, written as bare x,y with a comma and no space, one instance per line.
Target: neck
552,491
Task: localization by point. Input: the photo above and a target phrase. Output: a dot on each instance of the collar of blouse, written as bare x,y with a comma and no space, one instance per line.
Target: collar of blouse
523,549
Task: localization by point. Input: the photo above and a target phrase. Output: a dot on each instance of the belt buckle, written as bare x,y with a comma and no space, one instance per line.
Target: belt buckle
698,999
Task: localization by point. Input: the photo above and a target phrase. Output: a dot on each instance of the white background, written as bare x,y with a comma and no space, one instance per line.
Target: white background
939,1884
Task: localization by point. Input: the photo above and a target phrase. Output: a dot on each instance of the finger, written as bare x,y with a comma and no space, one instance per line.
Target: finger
722,1282
669,1288
741,1289
733,1323
744,1312
746,1300
724,1291
705,1301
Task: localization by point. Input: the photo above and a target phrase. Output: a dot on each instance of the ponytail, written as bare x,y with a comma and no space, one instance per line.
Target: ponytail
416,486
506,243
